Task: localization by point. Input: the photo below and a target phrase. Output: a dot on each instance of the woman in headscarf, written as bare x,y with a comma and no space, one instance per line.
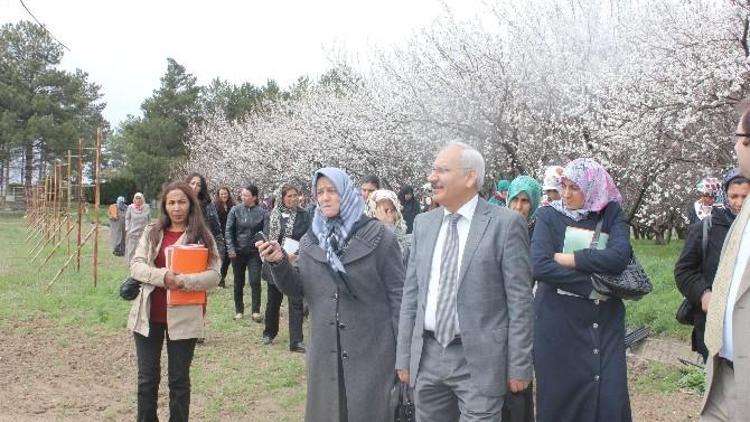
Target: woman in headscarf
117,227
579,335
710,196
552,186
524,195
384,206
696,267
136,219
500,196
351,273
286,224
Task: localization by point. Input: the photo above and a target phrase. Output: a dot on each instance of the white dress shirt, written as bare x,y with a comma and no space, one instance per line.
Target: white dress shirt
462,226
727,350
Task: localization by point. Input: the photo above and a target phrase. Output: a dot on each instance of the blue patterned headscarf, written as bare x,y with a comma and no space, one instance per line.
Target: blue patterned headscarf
332,232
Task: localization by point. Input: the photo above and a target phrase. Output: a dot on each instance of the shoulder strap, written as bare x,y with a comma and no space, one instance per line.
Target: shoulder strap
706,225
597,234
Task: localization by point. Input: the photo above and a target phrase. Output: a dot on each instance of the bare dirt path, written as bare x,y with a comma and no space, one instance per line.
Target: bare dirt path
62,374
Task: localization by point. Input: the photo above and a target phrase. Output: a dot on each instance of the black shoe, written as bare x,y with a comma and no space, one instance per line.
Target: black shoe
221,284
298,348
267,340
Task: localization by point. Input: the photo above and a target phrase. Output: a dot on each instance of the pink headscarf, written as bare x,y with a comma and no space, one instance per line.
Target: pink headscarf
596,184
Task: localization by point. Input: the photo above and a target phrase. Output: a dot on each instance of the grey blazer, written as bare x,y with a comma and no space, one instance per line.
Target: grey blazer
494,297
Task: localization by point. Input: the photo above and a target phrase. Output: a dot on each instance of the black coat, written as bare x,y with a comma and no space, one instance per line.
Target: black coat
579,343
694,272
223,213
243,223
211,214
410,211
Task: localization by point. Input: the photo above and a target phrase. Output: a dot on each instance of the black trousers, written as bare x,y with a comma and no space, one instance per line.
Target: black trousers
225,263
252,263
273,305
179,357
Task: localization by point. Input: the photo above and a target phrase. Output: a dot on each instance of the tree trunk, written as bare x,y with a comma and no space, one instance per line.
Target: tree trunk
659,237
28,164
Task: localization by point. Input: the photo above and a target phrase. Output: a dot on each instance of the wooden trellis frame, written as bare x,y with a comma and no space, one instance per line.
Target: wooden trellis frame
49,216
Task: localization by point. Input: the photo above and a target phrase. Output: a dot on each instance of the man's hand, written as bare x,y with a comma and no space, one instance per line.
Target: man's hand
171,281
516,385
403,375
270,251
232,254
705,300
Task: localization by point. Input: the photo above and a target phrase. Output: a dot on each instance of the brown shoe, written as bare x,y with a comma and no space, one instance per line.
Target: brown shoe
257,317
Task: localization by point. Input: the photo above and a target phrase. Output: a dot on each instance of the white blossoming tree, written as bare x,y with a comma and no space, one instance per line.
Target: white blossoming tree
646,87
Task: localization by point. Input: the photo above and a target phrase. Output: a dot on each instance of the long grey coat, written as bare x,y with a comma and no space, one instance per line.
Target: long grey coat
366,325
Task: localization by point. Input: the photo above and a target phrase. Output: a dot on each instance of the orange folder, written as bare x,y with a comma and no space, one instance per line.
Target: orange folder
186,259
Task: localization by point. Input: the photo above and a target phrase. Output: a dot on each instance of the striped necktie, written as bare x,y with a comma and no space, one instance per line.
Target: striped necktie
446,324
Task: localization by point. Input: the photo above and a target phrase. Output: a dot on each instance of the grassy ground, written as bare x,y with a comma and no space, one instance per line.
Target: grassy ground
236,373
657,309
237,376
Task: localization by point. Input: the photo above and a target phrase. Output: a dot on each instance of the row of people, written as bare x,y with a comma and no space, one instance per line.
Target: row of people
126,224
457,321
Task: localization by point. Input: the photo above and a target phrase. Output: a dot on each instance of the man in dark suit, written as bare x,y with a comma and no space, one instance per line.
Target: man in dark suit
465,330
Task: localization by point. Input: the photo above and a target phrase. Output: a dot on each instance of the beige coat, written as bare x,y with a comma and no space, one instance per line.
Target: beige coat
740,320
183,322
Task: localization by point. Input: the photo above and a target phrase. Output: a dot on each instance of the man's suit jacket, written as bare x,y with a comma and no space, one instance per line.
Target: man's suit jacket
740,321
494,300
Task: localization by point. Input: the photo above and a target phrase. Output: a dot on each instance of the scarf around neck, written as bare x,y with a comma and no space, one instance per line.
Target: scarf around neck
275,220
333,232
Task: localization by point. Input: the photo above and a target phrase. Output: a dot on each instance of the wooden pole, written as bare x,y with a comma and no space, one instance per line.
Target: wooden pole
45,205
96,200
67,210
56,204
80,203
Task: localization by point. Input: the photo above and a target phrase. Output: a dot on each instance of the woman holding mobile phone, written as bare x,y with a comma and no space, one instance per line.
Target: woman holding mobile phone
351,273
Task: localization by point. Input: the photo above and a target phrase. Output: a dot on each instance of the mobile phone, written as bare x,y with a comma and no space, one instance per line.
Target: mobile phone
261,237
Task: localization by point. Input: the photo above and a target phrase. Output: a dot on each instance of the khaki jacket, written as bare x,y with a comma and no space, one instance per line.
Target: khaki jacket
183,322
740,318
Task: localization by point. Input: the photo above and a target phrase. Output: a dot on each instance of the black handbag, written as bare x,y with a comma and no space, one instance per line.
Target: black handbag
685,313
633,283
405,406
130,288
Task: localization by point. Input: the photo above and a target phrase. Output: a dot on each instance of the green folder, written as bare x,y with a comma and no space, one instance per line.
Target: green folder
577,238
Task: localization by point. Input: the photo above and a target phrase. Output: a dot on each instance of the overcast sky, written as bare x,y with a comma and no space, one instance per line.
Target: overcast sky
123,45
